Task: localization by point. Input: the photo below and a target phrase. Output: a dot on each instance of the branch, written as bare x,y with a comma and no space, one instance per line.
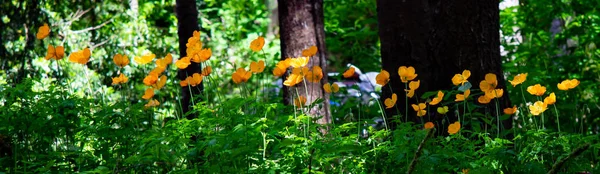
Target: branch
413,163
573,154
92,28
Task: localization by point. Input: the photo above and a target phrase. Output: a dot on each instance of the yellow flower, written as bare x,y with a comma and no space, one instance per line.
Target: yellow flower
315,75
119,80
310,51
489,83
454,128
202,56
279,70
438,99
420,109
390,102
536,89
537,108
383,77
442,110
518,79
183,63
568,84
495,93
152,103
406,74
257,67
121,60
484,99
349,72
551,99
81,57
193,80
241,75
510,111
257,44
331,88
294,78
151,79
206,70
298,62
55,53
465,171
157,71
412,86
162,63
149,93
144,59
300,101
460,79
462,97
429,125
160,83
43,32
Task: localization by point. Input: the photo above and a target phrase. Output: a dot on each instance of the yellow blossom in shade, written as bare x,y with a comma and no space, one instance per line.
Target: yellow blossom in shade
510,111
428,125
438,99
483,99
257,67
349,72
390,102
151,79
518,79
196,79
152,103
568,84
300,101
285,63
331,88
383,77
206,70
168,58
144,59
310,51
81,57
121,60
164,62
454,128
537,108
160,83
257,44
203,55
412,86
157,71
551,99
420,108
43,32
183,63
489,83
298,62
120,79
294,78
496,93
462,97
327,88
241,75
536,89
465,171
315,75
443,110
55,53
279,70
406,73
149,93
460,79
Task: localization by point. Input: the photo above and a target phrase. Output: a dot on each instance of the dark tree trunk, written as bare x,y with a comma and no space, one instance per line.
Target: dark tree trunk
301,26
440,38
187,23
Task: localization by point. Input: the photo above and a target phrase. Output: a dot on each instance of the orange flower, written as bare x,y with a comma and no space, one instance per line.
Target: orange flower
438,99
489,83
462,97
294,78
157,71
429,125
119,80
519,78
537,108
121,60
55,53
257,44
510,111
203,55
413,85
349,73
465,171
206,70
193,80
383,77
160,83
406,74
152,103
536,89
257,67
568,84
241,75
461,78
551,99
315,75
484,99
162,63
310,51
454,128
144,59
298,62
151,79
279,70
43,32
149,93
420,109
390,102
81,57
300,101
495,93
331,88
183,63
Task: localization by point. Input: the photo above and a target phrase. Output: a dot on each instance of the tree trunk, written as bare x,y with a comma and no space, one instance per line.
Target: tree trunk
440,38
187,23
301,26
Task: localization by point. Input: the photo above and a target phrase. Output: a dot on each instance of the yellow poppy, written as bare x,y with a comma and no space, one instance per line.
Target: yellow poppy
144,59
164,62
536,89
489,83
428,125
206,70
495,93
151,79
443,110
299,62
510,111
294,78
454,128
406,73
537,108
121,60
55,53
568,84
460,79
43,32
149,93
483,99
465,171
462,97
390,102
331,88
412,86
183,63
241,75
81,57
551,99
204,55
279,70
120,79
438,99
349,72
315,75
420,109
196,79
300,101
152,103
518,79
257,67
383,77
310,51
160,83
257,44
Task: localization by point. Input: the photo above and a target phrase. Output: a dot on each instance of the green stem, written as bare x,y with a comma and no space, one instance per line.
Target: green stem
557,119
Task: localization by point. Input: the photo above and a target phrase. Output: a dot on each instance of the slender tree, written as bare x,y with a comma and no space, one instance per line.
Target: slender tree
440,38
187,23
301,26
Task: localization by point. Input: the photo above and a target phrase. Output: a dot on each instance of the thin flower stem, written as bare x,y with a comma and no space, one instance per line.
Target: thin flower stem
406,104
557,120
497,119
382,114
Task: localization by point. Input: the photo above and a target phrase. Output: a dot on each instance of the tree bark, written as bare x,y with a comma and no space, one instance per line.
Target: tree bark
301,26
187,23
440,38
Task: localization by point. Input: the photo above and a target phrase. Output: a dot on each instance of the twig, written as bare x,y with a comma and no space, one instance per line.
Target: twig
573,154
92,28
413,163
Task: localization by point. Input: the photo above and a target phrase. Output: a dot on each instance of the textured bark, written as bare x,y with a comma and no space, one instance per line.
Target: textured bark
187,23
301,26
440,38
